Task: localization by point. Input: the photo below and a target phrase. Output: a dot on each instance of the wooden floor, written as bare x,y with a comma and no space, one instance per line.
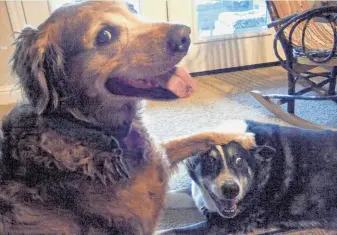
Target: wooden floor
216,86
213,87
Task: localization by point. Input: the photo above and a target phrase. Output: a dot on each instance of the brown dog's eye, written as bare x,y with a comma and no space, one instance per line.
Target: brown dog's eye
105,36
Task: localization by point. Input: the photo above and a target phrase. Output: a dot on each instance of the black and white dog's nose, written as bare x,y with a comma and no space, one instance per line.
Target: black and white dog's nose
230,189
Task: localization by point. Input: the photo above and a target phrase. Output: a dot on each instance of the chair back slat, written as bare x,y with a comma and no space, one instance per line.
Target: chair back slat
285,8
318,35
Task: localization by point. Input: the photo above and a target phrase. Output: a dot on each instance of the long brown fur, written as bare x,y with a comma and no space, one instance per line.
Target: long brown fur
62,153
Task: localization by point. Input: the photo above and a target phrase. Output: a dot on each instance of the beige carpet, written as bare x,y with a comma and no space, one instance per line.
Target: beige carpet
221,97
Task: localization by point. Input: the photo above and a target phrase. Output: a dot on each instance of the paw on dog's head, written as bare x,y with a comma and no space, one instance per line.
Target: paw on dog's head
100,52
222,177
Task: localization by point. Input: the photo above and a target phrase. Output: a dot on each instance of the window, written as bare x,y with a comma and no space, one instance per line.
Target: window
219,18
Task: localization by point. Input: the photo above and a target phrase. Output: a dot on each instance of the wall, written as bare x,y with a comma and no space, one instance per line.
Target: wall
14,15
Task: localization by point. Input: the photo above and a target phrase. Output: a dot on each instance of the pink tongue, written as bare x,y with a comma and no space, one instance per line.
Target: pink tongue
181,83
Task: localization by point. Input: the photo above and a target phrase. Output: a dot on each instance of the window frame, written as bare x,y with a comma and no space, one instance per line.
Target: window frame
199,40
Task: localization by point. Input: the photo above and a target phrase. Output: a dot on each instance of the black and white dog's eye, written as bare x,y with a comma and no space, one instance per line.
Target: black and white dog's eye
105,36
210,161
238,161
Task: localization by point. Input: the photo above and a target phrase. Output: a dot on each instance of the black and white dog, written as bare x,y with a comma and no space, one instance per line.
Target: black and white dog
288,182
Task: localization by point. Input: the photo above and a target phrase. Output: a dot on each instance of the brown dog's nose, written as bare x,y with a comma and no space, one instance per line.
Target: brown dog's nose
178,38
230,189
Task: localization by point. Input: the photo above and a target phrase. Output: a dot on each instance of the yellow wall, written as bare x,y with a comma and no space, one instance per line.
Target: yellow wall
14,15
5,41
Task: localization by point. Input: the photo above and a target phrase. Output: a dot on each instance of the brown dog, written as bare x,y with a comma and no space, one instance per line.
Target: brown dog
77,159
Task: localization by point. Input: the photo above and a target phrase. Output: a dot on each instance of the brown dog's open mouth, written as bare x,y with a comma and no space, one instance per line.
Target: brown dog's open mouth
177,83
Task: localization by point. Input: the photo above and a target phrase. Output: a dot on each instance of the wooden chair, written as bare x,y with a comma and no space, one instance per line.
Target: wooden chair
307,33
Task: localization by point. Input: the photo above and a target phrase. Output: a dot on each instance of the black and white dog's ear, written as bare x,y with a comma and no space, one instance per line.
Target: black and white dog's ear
264,152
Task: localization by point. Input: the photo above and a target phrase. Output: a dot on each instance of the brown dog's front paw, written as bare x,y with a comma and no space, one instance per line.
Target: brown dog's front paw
247,140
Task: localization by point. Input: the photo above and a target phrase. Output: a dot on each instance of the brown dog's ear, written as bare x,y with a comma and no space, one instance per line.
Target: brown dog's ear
38,61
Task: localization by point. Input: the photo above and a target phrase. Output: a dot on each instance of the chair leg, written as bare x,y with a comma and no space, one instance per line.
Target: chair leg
332,84
291,91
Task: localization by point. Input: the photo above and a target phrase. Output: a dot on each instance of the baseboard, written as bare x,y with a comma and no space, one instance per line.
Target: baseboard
233,69
9,94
